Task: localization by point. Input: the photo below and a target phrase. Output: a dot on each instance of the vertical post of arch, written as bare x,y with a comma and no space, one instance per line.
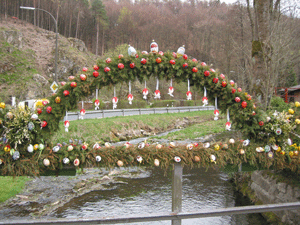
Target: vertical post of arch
177,191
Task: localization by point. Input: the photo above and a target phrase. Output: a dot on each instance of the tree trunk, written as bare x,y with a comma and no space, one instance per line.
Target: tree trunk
97,38
77,24
102,49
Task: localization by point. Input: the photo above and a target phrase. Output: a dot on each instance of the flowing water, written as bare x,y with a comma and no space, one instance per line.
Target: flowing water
150,192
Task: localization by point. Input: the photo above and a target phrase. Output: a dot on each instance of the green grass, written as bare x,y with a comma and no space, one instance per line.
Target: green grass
94,130
11,186
197,130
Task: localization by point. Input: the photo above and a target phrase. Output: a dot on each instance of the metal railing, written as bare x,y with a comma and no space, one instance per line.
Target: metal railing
161,216
98,114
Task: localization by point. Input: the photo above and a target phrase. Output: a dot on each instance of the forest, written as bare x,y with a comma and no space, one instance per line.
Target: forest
254,43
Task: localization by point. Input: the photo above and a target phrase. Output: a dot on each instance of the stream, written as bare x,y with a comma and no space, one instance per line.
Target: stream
151,192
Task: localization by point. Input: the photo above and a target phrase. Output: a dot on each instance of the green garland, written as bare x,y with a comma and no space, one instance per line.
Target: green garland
254,123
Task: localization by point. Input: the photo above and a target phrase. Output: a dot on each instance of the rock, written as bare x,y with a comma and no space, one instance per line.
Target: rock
79,44
40,79
13,37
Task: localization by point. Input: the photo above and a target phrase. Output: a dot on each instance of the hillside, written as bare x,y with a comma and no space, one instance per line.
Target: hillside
27,60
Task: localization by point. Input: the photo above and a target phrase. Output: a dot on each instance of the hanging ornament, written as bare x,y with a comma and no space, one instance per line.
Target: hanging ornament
95,67
30,148
106,69
56,148
157,92
237,99
278,131
261,123
49,109
131,51
205,99
233,90
189,146
222,76
63,83
185,56
30,126
239,89
34,117
172,61
189,93
177,159
82,113
121,66
57,100
71,78
158,146
244,104
212,158
114,100
203,64
131,65
121,56
97,103
45,102
197,158
171,89
73,84
108,60
130,96
228,124
145,53
95,73
46,162
158,60
161,53
153,47
84,69
185,65
66,93
139,159
43,124
206,73
231,141
195,69
83,77
98,158
215,80
216,114
224,83
143,61
231,82
120,163
66,160
206,145
70,148
67,124
246,142
180,51
76,162
156,162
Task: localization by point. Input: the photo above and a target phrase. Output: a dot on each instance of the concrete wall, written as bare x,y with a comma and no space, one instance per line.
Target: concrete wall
269,191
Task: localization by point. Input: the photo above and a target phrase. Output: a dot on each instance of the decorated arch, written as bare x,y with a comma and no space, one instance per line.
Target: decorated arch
24,134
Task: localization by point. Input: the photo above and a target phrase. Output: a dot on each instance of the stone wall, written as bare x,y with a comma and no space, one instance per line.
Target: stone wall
269,191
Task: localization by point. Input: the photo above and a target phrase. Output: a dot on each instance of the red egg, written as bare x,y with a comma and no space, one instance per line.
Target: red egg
132,65
244,104
39,110
203,64
73,84
172,61
206,73
49,109
158,60
106,69
71,78
108,60
82,77
143,61
121,66
233,90
216,80
185,56
96,73
84,69
121,56
66,92
96,67
185,65
237,99
224,84
222,76
195,69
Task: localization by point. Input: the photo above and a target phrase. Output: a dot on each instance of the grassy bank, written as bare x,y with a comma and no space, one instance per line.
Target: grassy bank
11,186
94,130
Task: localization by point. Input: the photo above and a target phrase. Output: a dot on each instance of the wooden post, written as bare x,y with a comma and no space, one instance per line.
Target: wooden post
177,191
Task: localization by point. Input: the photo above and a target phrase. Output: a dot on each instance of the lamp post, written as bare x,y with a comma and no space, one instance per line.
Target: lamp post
56,45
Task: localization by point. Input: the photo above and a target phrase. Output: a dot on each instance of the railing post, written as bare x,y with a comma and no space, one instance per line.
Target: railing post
177,191
140,113
123,112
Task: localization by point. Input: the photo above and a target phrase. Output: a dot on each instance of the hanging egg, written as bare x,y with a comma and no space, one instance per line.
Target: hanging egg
206,145
228,126
196,144
106,69
172,144
185,65
206,73
57,100
36,147
212,158
120,163
139,159
95,67
217,147
84,69
231,82
76,162
259,149
222,76
107,144
189,147
246,142
82,77
203,64
131,65
96,146
244,104
261,123
66,93
70,148
225,146
177,159
55,148
45,102
9,115
195,69
44,124
95,74
66,160
242,151
270,155
34,117
1,161
39,110
143,61
197,158
49,109
121,66
158,60
231,141
215,80
84,147
63,83
2,105
237,99
30,126
181,51
98,158
46,162
141,145
224,83
41,147
30,148
172,61
239,89
108,60
156,162
159,146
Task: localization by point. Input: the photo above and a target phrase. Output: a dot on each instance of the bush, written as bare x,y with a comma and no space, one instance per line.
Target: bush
277,103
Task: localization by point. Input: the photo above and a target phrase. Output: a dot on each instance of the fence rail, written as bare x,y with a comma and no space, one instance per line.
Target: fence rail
98,114
161,216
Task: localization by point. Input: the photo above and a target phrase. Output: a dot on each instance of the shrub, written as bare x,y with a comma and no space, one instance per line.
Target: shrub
277,103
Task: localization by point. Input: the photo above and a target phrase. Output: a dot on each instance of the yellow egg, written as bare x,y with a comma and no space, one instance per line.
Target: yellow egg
291,153
120,163
291,111
282,152
197,158
278,149
297,121
296,153
7,149
297,104
36,147
2,105
217,147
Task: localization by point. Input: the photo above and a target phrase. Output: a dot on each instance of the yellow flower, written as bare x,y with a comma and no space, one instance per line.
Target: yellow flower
2,105
297,104
291,111
278,149
297,121
291,153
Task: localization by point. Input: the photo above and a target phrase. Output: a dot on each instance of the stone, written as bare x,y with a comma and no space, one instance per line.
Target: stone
281,187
